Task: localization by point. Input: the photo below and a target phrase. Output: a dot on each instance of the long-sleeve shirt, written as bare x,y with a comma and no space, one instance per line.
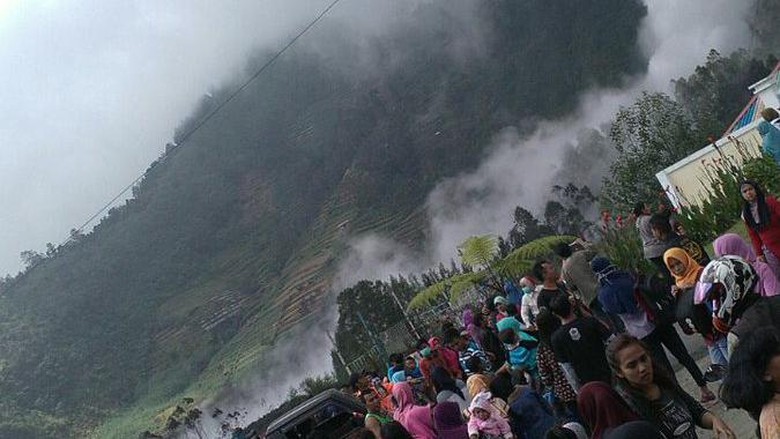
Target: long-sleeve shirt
495,426
652,247
576,272
529,308
769,237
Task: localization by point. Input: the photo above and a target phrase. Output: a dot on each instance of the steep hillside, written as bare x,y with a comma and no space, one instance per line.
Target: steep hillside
233,238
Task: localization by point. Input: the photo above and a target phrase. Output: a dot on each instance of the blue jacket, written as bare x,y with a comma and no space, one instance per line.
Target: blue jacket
771,135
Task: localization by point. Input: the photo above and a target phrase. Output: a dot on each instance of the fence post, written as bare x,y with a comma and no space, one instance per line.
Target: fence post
406,316
338,353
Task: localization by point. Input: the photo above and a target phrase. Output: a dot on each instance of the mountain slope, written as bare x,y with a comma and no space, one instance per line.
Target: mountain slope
233,239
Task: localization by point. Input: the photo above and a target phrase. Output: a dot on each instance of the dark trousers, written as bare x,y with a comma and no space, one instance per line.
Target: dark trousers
613,322
665,335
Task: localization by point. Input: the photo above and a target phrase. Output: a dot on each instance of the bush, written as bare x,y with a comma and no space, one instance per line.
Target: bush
623,246
722,208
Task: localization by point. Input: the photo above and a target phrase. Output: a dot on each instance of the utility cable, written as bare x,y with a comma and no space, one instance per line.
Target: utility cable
213,112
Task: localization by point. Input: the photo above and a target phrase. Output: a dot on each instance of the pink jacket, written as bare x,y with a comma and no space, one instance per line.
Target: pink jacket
732,244
495,425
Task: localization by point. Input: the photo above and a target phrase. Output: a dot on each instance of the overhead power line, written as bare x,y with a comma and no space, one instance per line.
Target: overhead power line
186,136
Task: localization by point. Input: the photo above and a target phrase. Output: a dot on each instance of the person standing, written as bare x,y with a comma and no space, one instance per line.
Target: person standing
502,307
520,348
417,420
551,373
376,417
577,275
761,214
662,230
617,293
686,274
576,272
461,343
771,139
652,249
579,344
771,115
447,389
550,287
732,244
528,304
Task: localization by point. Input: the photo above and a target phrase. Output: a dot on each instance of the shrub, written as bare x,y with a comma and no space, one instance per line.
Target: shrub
623,246
722,208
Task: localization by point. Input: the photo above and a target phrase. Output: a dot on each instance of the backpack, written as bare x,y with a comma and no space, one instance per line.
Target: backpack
654,296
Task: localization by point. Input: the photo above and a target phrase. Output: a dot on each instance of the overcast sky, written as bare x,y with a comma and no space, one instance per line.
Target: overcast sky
93,89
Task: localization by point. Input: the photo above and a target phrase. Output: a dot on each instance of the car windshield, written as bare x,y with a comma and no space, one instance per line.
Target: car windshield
331,421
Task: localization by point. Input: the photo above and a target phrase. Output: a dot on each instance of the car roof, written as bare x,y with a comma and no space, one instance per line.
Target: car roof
315,403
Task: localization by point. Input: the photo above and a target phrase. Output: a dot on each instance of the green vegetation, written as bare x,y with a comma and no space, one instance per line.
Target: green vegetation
232,239
719,212
657,130
494,269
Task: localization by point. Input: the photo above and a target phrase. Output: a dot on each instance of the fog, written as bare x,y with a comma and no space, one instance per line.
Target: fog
92,91
675,36
515,171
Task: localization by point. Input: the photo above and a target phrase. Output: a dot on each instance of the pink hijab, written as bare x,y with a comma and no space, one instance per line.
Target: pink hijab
733,245
418,420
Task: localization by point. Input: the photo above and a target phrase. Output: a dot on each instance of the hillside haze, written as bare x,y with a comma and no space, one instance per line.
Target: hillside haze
233,239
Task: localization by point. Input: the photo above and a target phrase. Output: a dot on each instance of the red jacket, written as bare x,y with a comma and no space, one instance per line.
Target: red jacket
443,359
770,236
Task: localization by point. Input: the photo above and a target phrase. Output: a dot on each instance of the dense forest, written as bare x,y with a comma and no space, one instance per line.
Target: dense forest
233,236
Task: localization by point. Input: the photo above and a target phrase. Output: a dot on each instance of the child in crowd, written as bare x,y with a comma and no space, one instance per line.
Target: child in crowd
485,422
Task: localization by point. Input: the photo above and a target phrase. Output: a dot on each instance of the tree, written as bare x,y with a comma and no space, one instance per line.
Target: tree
479,251
716,92
651,134
763,24
30,258
566,215
313,386
526,228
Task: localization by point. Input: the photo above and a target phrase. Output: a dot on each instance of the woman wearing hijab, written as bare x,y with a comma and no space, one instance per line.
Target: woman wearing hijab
477,382
686,274
468,316
417,420
732,244
449,421
530,417
617,296
602,408
737,309
447,389
761,214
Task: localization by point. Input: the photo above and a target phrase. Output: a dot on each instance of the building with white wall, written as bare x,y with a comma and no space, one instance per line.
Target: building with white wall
686,182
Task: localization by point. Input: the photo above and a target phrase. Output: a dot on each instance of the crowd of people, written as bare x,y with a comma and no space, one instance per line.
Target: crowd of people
577,348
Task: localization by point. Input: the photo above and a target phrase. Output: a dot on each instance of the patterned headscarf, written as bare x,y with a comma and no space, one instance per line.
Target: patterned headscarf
735,291
692,268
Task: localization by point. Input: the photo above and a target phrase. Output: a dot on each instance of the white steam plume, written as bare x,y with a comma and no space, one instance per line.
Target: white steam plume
515,171
676,36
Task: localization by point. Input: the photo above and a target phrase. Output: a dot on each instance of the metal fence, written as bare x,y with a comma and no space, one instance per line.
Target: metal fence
404,335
